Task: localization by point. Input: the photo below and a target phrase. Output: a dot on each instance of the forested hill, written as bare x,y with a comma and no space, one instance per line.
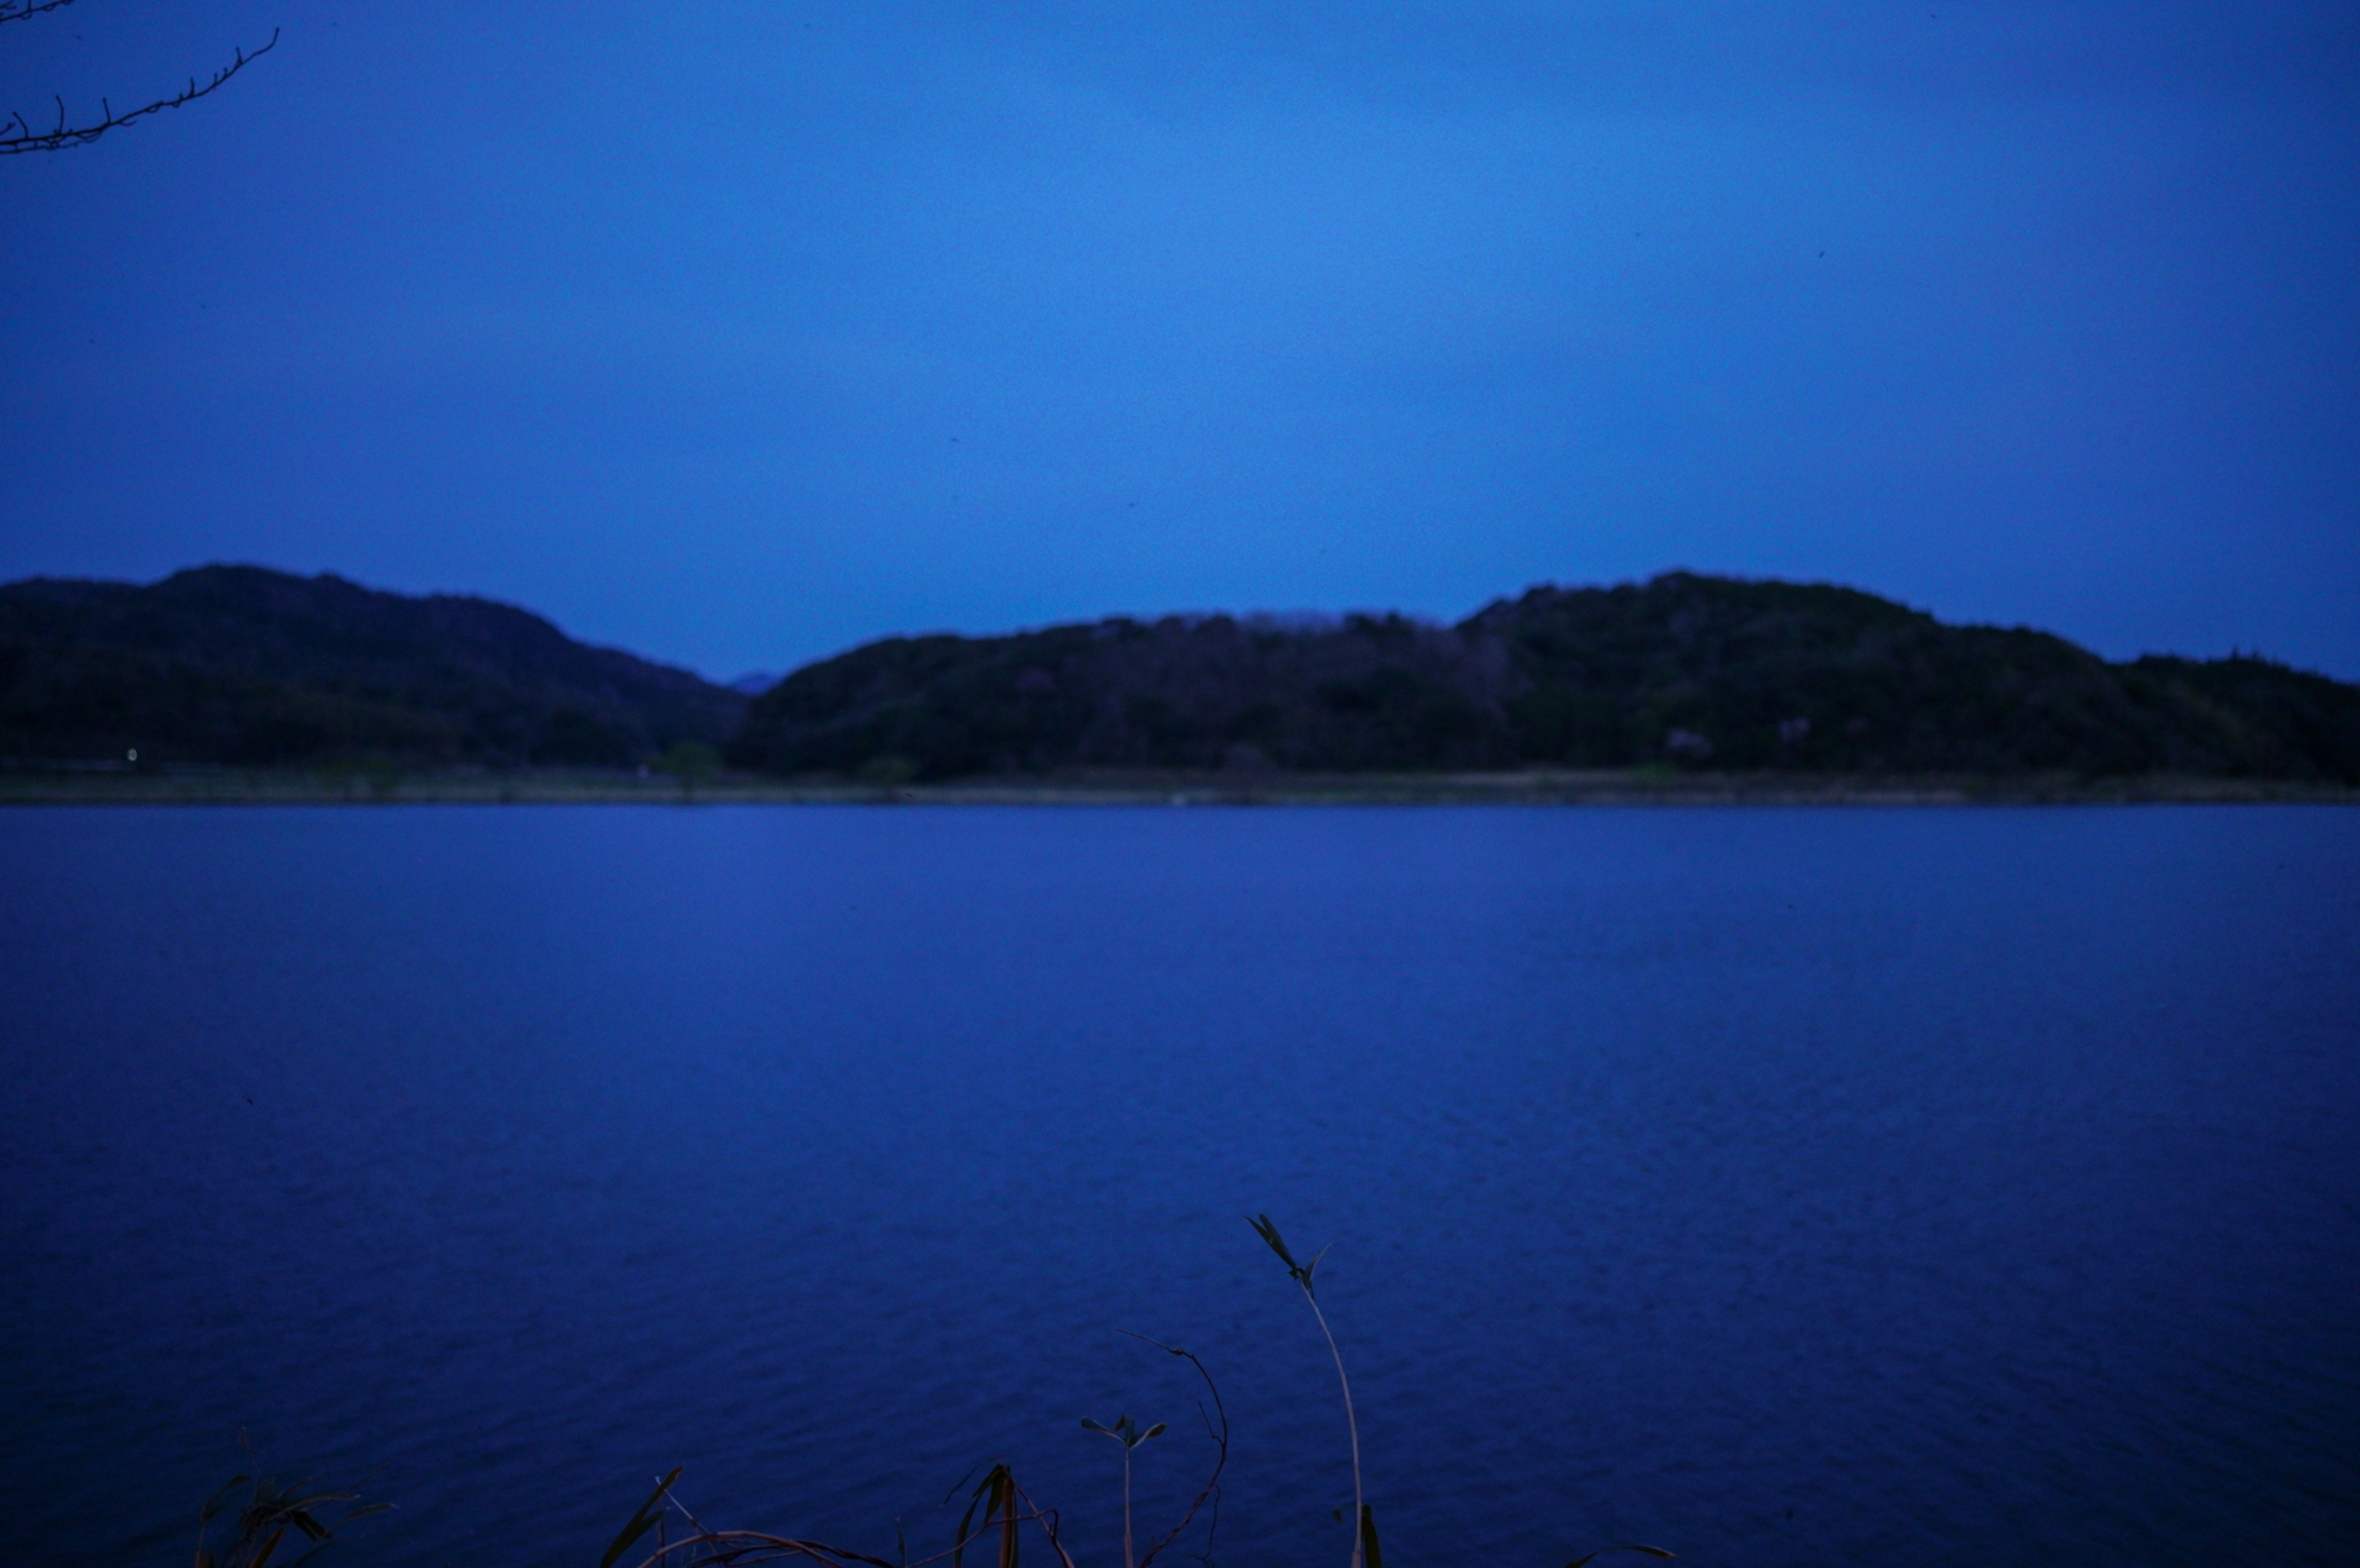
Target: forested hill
243,666
236,664
1685,669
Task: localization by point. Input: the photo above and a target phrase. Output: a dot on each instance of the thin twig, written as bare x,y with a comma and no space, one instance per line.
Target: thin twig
16,135
1047,1520
18,10
1221,1442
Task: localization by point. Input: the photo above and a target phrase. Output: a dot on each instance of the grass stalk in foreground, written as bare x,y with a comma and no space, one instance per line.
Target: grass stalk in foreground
1364,1527
1366,1552
1125,1432
271,1511
1006,1506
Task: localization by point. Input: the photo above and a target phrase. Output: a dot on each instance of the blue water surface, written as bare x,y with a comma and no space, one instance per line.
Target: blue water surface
1778,1186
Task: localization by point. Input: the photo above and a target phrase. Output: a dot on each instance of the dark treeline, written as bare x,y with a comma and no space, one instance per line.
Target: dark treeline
245,667
1685,669
242,666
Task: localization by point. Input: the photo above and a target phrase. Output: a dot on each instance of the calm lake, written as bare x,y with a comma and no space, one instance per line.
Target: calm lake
1776,1186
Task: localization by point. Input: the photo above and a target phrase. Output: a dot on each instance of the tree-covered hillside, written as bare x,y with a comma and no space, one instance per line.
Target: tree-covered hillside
236,664
1685,669
242,666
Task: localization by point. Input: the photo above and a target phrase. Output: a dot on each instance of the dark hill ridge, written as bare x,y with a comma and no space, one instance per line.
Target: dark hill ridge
1685,670
240,665
243,666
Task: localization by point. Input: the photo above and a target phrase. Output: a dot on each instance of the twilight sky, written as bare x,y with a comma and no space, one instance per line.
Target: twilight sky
737,334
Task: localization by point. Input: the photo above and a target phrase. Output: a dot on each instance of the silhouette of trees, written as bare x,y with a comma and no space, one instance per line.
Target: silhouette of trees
1680,671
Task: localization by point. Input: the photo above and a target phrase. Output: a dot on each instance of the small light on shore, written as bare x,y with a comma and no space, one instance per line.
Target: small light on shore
132,755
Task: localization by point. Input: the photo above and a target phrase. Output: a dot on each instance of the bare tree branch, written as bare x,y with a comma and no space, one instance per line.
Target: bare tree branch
16,135
18,10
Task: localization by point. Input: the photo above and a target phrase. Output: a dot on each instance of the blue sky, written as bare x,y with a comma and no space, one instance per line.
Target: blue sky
740,333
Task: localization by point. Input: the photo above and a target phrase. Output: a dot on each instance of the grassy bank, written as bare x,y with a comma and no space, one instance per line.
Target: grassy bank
1634,787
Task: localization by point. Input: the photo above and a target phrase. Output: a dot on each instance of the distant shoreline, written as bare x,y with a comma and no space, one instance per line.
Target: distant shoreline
1595,787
